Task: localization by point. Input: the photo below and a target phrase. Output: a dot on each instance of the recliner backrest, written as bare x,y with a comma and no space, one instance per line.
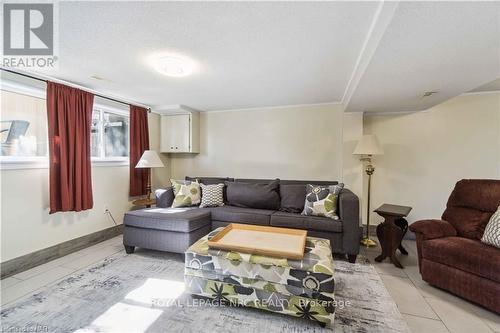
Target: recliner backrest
471,205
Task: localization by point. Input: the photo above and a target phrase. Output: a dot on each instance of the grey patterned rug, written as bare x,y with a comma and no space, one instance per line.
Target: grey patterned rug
144,292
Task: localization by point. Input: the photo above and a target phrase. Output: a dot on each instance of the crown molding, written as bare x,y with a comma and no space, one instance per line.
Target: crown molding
274,107
486,92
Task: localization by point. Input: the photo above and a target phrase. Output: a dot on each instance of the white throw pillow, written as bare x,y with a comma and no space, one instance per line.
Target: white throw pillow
212,195
491,234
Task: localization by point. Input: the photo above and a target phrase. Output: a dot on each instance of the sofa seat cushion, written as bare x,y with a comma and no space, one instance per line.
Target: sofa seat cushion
241,215
169,219
297,221
465,254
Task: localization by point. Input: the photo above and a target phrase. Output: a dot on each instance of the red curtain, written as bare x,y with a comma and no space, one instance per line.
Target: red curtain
69,117
139,142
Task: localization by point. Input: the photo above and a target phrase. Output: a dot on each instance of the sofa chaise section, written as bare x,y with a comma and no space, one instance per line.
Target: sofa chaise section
165,229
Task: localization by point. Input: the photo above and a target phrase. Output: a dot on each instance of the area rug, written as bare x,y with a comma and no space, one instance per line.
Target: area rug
144,292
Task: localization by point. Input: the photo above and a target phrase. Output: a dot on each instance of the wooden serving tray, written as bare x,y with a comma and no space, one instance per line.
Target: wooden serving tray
261,240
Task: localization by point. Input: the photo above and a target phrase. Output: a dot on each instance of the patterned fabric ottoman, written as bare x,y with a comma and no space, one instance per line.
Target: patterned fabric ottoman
300,288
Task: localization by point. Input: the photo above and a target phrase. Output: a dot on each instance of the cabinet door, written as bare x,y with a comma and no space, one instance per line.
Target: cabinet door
164,135
183,133
167,144
175,133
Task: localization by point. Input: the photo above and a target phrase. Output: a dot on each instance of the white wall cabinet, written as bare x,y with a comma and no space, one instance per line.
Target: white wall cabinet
180,133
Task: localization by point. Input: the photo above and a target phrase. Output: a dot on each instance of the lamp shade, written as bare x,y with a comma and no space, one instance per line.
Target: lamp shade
368,145
150,159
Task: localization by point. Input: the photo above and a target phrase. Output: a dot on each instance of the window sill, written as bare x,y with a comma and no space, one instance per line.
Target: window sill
104,162
13,163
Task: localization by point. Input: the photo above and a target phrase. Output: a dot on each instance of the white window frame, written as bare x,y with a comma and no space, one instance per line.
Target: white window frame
42,162
102,160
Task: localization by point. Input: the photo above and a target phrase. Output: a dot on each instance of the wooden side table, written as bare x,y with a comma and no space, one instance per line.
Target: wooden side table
389,233
144,202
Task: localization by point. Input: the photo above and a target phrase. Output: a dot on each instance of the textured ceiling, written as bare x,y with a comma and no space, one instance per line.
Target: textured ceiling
249,54
448,47
368,55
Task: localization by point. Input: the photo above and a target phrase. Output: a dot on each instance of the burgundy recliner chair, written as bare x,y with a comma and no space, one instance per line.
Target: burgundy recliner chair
450,253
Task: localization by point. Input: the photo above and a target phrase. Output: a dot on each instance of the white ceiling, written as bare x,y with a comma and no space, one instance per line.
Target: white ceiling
250,54
367,55
448,47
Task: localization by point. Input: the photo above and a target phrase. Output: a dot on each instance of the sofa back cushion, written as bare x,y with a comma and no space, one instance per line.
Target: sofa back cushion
471,205
292,198
253,180
254,195
305,182
210,180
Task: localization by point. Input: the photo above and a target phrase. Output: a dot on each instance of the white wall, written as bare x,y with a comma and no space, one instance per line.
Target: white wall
26,225
288,143
426,153
352,167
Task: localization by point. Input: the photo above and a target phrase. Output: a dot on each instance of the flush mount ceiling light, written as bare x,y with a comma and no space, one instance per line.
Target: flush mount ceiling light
173,65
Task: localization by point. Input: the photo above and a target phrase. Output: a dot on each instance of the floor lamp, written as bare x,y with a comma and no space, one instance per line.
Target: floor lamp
366,148
149,159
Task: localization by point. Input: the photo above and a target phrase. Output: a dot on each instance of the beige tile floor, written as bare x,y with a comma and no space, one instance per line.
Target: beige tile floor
425,308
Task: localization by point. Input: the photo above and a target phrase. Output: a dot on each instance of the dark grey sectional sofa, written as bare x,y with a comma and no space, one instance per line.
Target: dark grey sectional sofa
175,229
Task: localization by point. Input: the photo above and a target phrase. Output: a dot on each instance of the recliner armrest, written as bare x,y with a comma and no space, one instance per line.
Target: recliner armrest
431,229
164,197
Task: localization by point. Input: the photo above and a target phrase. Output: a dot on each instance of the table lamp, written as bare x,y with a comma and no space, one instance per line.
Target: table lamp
149,159
366,148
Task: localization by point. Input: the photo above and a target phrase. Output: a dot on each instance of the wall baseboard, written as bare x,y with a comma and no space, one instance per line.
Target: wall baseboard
22,263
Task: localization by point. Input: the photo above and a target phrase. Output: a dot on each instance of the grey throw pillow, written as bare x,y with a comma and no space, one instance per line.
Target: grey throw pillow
212,195
322,200
262,196
491,234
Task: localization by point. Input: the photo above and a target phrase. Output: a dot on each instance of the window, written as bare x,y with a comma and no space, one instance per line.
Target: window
23,125
24,133
109,135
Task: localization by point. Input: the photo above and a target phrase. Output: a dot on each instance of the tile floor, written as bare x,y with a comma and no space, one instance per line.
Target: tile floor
425,308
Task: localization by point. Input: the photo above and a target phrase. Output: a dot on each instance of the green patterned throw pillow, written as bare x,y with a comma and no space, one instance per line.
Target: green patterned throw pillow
187,193
322,200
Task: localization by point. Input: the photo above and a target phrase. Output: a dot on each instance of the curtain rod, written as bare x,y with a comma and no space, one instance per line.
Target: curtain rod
95,94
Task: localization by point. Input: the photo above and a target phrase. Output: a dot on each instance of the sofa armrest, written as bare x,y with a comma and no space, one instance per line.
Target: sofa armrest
349,214
431,229
164,197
